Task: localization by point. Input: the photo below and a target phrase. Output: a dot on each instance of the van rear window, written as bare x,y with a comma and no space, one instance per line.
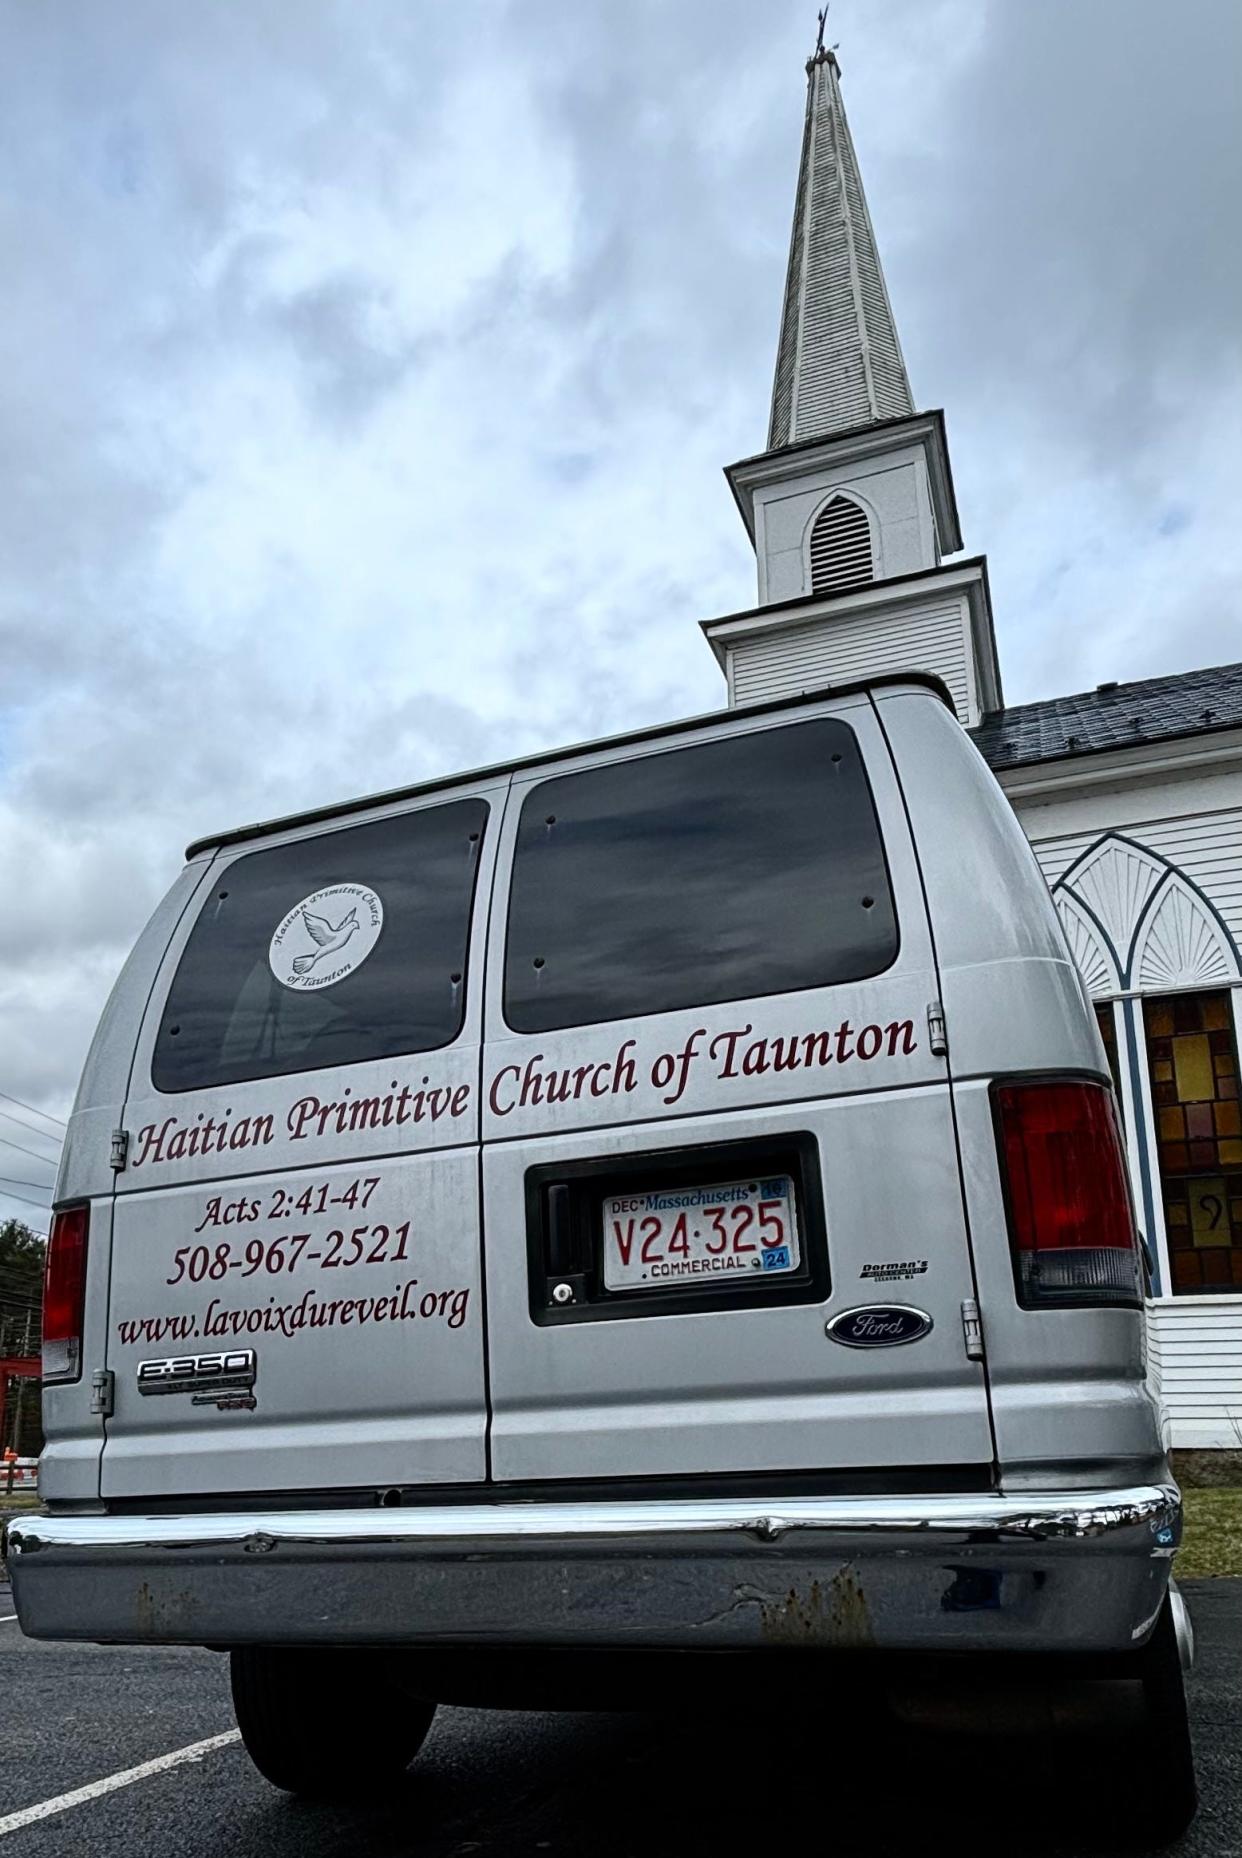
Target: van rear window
748,866
328,951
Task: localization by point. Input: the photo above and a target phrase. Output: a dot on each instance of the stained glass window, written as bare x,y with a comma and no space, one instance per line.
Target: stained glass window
1194,1086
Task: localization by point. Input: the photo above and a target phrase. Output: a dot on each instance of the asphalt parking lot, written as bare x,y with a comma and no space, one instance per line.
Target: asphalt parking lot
772,1777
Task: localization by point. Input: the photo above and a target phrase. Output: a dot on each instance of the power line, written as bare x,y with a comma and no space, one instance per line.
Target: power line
8,1193
45,1135
12,1180
32,1109
33,1153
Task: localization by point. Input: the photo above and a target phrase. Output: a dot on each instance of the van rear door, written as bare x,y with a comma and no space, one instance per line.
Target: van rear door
723,1216
295,1279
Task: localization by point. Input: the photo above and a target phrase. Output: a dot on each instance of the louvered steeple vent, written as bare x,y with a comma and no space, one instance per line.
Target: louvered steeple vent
840,547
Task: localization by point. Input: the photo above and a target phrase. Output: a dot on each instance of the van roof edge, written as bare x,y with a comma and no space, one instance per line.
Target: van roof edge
340,809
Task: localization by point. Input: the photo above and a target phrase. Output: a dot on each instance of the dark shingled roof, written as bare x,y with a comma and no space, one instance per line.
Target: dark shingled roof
1116,716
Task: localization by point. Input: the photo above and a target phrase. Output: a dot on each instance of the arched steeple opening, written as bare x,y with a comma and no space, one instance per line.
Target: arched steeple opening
841,555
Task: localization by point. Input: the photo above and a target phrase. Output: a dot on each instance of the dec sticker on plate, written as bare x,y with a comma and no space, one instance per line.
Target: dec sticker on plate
669,1236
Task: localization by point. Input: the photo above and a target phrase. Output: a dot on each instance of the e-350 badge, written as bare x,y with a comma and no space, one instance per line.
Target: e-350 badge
222,1380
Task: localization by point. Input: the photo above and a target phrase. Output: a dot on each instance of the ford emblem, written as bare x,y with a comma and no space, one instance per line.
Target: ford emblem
879,1325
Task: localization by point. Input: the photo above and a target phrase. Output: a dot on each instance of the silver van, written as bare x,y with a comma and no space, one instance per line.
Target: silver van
664,1196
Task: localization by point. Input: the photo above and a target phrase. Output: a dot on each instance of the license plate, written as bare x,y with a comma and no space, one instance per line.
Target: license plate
670,1236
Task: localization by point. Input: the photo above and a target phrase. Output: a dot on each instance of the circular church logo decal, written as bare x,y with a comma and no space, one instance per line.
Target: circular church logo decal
325,937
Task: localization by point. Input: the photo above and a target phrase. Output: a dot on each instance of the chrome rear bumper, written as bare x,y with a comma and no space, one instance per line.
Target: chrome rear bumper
1062,1571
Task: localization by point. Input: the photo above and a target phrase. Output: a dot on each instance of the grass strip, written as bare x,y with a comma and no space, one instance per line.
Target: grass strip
1212,1543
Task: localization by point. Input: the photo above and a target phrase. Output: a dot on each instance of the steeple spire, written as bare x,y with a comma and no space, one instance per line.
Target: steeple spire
839,363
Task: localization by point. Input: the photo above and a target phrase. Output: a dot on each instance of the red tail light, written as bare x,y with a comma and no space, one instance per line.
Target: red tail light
1071,1223
64,1293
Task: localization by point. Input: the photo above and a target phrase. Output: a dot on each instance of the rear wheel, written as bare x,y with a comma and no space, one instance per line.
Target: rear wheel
1164,1796
1109,1754
325,1723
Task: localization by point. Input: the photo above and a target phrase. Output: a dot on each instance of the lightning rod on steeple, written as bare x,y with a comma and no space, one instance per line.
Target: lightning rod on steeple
821,51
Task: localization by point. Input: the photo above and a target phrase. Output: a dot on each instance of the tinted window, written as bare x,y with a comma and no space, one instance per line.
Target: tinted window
347,946
748,866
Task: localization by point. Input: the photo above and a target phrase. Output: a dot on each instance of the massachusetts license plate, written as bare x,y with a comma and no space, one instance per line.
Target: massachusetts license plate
700,1235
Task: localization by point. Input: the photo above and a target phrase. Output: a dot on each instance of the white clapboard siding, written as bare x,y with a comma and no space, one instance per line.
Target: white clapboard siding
1155,1351
1194,1365
1055,856
1186,1359
933,638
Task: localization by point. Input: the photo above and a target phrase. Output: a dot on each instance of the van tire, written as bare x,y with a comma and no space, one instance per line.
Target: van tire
325,1723
1163,1794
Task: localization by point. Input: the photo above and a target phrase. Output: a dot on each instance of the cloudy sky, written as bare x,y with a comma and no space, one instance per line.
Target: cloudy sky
367,368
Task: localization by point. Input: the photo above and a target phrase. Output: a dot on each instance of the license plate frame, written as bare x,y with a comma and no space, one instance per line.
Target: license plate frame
564,1229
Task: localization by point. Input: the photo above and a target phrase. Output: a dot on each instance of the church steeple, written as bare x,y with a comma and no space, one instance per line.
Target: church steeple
839,363
851,507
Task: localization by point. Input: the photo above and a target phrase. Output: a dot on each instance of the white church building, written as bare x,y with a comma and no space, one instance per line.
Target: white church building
1131,794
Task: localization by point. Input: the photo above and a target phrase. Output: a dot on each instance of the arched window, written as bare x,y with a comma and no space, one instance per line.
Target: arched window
840,547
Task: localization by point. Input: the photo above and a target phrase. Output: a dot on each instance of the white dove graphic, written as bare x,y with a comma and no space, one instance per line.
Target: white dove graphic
329,937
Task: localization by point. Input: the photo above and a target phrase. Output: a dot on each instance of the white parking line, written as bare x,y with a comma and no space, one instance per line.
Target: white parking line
7,1619
13,1822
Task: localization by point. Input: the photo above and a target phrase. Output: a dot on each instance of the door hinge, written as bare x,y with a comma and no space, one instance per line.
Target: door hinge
120,1149
103,1392
936,1029
972,1329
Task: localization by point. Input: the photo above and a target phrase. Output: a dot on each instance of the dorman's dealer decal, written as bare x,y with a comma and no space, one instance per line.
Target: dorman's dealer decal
325,937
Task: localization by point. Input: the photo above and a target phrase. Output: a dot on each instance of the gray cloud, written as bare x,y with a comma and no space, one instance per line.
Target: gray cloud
366,375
